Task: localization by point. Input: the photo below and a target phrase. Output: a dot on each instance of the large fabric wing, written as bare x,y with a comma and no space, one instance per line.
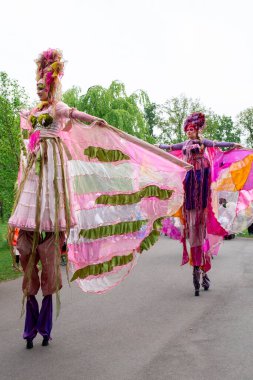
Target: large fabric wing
122,189
230,207
232,190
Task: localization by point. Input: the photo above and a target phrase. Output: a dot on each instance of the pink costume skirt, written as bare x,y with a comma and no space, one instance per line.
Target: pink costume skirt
45,191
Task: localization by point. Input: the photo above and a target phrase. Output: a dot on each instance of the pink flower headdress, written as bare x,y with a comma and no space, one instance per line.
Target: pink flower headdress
50,68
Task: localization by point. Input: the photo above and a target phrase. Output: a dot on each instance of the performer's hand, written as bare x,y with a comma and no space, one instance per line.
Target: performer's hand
238,146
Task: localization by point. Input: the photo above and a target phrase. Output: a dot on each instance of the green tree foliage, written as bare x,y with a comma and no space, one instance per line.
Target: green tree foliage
245,125
174,112
221,128
115,106
12,100
152,117
72,97
172,115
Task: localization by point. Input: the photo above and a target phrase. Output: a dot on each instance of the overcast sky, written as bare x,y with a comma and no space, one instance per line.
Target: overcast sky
202,48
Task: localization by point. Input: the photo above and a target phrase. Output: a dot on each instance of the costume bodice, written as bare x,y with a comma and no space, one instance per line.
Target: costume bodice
194,154
45,122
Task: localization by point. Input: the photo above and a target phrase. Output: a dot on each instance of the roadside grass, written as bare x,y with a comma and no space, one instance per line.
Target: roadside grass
245,234
7,272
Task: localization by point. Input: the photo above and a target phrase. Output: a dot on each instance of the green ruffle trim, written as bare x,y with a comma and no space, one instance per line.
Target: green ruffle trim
105,155
97,269
157,225
33,120
112,229
150,240
124,227
127,199
38,164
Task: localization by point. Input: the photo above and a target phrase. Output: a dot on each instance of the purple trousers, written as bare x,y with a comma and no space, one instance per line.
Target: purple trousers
38,321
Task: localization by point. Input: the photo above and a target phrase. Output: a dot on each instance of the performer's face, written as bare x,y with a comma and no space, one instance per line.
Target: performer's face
191,133
42,92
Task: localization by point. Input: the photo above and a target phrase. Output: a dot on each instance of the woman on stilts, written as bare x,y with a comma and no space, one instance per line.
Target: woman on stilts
43,208
100,190
197,194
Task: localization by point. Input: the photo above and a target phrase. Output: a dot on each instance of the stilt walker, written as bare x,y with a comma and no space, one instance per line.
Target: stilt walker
102,189
43,205
197,186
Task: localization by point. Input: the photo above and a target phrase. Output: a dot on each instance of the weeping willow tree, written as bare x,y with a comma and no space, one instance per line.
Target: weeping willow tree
115,106
12,99
72,96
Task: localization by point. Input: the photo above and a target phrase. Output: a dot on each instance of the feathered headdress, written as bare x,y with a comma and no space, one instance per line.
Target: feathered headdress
50,68
195,120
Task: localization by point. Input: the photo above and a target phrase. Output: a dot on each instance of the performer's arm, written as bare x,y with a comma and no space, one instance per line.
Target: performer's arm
178,146
24,120
82,116
24,113
62,110
220,144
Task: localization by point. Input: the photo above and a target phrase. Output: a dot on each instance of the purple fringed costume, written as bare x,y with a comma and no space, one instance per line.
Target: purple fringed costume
197,191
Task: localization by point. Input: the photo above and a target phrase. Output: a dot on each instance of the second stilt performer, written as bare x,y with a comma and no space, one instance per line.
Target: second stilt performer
197,194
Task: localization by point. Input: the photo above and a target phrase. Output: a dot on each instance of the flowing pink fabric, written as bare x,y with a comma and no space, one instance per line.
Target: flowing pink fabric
143,168
87,179
229,210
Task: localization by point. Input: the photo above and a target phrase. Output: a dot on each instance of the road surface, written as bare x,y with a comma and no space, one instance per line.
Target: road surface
151,327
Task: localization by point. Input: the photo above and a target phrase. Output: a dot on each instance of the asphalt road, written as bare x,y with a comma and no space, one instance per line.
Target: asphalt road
151,327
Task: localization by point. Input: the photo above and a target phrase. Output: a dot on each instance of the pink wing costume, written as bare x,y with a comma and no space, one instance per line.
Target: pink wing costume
104,190
108,189
218,198
229,206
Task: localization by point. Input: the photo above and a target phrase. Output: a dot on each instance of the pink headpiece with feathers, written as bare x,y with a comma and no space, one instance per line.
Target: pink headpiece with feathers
50,68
